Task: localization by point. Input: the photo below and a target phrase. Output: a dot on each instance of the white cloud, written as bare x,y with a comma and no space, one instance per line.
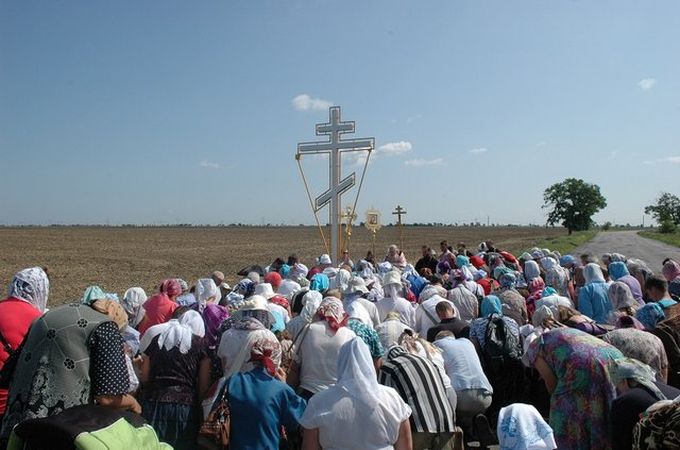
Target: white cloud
477,151
647,83
394,148
424,162
304,102
666,160
210,165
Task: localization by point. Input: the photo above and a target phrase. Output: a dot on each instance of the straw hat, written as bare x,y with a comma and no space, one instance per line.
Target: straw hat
257,303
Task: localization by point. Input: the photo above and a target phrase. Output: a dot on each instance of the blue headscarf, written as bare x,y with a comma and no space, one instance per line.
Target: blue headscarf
491,305
549,291
462,261
567,259
284,271
617,270
320,282
649,315
92,294
507,280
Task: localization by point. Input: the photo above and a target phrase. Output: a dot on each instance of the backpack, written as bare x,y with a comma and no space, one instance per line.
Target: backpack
501,348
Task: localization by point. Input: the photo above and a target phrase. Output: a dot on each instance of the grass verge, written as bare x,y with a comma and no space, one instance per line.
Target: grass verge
668,238
564,244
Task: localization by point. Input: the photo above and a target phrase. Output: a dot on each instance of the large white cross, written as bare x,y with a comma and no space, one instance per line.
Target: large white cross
334,146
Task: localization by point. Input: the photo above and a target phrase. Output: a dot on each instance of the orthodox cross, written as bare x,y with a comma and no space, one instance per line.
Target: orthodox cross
335,146
399,211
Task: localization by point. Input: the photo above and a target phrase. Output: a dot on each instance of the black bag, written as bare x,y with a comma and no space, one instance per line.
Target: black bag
10,366
501,347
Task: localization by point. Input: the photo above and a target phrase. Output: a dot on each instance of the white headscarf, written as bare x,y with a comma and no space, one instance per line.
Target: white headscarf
521,427
531,270
32,286
620,295
311,301
341,280
175,333
548,263
240,339
356,373
206,290
592,273
133,302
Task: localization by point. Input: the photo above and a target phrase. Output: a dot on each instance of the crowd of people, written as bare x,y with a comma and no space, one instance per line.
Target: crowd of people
537,351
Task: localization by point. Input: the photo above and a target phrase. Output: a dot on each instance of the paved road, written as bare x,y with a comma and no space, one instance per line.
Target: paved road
630,244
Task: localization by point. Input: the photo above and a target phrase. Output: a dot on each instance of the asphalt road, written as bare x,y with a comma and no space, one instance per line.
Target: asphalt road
630,244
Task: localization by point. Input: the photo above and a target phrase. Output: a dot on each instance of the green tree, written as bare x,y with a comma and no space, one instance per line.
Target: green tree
666,208
573,203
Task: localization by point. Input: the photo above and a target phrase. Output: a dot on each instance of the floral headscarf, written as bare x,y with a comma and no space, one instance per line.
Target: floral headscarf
650,314
332,311
671,270
620,295
171,287
266,352
32,286
507,280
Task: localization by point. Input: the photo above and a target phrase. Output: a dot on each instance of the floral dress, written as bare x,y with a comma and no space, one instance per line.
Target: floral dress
579,405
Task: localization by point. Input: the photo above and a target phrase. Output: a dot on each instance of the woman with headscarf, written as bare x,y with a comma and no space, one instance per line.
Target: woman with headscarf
376,414
132,302
643,346
535,287
175,376
574,319
521,427
262,402
514,305
574,366
593,298
159,308
638,389
658,427
556,276
213,318
623,303
671,272
207,293
650,315
531,271
505,372
316,351
618,271
310,304
73,353
25,302
393,301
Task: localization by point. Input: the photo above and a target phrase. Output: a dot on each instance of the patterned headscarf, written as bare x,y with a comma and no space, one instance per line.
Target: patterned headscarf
491,305
92,294
671,270
214,315
332,311
531,270
245,287
133,302
650,314
32,286
620,295
632,369
266,352
507,280
171,287
658,427
521,426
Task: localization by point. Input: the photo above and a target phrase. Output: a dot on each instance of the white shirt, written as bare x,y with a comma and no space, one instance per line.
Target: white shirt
345,425
424,321
462,364
318,355
466,302
388,304
370,308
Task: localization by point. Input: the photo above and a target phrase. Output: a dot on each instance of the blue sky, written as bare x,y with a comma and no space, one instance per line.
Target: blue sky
166,112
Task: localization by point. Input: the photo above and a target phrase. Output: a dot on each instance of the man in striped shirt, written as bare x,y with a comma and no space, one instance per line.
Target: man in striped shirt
420,385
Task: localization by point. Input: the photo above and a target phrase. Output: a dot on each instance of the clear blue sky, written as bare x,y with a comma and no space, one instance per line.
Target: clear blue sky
174,111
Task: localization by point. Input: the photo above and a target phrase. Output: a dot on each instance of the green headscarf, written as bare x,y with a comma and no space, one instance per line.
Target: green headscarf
92,294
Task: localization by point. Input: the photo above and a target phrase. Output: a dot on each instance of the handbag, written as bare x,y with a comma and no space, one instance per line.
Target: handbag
216,429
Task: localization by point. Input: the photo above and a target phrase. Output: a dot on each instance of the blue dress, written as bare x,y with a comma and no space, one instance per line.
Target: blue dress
262,405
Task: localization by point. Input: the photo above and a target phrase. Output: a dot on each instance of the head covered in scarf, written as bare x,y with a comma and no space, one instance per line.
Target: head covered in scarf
32,286
265,352
531,270
274,278
332,311
671,270
171,287
112,309
133,303
617,270
92,294
213,316
649,315
507,280
593,273
536,285
521,426
491,305
620,295
356,373
206,292
175,333
320,282
641,373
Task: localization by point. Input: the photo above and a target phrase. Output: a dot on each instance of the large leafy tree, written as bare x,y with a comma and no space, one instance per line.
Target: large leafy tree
572,203
666,208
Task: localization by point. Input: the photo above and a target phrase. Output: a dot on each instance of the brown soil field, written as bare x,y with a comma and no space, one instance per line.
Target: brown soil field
118,258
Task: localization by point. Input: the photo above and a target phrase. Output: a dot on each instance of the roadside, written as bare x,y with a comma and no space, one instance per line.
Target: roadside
563,244
668,238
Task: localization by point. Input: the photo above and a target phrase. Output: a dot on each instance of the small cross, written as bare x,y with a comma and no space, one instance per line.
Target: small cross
349,215
399,211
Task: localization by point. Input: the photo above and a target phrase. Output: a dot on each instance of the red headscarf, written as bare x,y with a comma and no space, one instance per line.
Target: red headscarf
273,278
171,287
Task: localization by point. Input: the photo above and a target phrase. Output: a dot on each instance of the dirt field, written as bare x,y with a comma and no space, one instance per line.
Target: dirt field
118,258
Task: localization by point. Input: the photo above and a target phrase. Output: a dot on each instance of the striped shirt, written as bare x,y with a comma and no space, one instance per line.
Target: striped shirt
420,385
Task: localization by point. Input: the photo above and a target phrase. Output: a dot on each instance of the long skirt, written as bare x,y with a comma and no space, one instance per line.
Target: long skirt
175,423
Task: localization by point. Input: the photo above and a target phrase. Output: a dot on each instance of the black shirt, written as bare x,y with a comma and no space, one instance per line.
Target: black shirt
458,327
429,262
626,410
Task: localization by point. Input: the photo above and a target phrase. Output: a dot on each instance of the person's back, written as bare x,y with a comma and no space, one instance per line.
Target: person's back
390,329
462,364
318,353
593,301
465,301
426,314
388,304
